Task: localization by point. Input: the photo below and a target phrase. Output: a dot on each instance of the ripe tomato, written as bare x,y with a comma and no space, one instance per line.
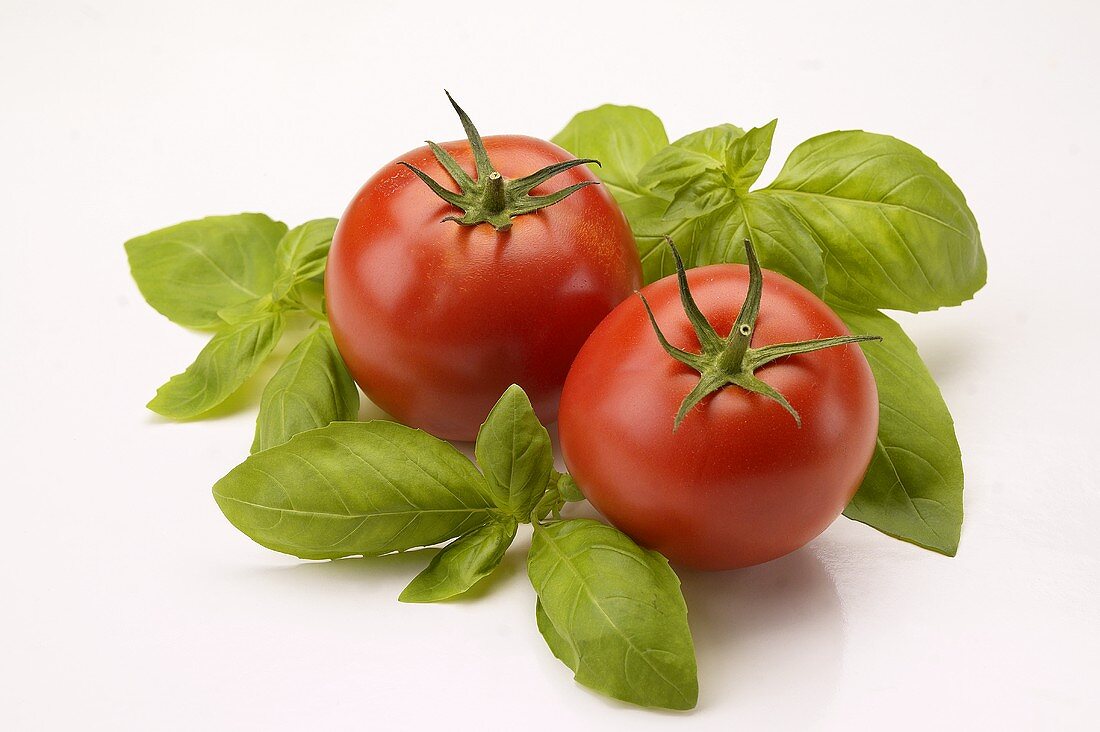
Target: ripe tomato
435,319
739,481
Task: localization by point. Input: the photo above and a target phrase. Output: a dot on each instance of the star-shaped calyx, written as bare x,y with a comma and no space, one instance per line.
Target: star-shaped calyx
491,198
732,360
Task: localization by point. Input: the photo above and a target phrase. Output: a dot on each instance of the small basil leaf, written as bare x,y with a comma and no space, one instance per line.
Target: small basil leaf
613,613
704,193
747,155
222,367
568,488
913,488
249,310
514,451
190,271
782,241
897,231
302,254
462,563
621,138
354,488
676,165
311,389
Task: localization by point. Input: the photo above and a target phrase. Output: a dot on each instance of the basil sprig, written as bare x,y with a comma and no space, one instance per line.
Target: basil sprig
865,220
610,610
244,277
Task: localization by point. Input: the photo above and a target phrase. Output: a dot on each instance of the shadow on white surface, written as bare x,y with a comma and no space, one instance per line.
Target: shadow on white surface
768,638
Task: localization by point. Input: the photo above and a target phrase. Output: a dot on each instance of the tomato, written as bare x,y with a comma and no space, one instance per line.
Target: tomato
436,318
739,481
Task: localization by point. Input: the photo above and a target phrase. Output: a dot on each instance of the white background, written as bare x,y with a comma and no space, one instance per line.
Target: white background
127,602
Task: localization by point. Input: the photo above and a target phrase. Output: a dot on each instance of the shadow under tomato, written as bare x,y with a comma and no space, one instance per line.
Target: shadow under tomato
769,639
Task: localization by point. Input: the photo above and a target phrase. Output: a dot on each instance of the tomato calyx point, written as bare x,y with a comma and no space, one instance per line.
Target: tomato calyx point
491,198
732,360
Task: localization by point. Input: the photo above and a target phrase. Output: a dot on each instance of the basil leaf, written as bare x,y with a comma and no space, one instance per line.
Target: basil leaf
913,488
646,217
222,367
568,488
613,613
311,389
354,488
302,253
248,310
704,193
514,451
462,563
782,241
747,155
190,271
896,230
684,160
621,138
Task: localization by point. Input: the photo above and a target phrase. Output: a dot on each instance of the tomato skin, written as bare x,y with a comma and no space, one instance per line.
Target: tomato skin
738,483
435,320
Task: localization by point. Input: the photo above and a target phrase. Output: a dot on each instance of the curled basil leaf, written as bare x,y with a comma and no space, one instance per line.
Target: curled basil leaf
311,389
462,563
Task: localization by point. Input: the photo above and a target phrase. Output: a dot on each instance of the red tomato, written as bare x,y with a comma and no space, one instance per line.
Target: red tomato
738,482
436,319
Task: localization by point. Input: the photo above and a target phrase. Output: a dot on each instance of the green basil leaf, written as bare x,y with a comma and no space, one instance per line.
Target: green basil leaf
248,310
222,367
678,164
748,154
462,563
302,254
514,451
782,241
311,389
646,217
913,488
352,488
190,271
568,488
621,138
704,193
897,231
613,613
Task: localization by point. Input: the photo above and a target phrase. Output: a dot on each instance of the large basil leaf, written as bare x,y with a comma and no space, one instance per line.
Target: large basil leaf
354,488
621,138
514,451
613,613
896,230
462,563
190,271
782,241
227,361
311,389
302,254
913,488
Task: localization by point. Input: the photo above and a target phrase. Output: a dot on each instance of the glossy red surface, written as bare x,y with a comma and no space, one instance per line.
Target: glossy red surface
435,320
739,482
